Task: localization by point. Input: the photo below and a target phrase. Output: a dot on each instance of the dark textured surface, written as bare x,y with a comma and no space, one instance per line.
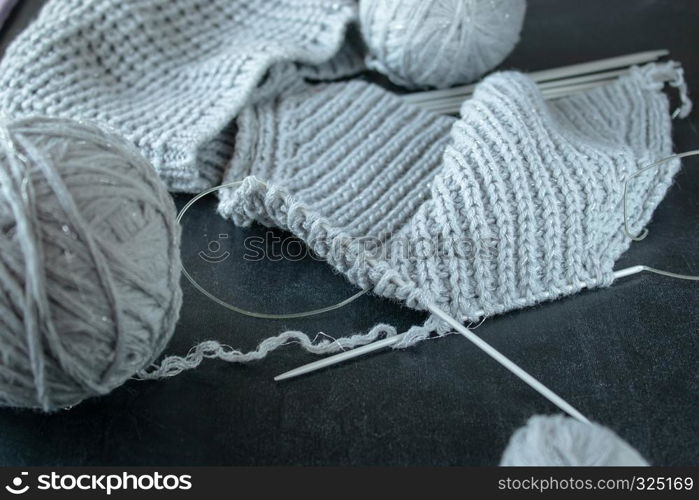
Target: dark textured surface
626,356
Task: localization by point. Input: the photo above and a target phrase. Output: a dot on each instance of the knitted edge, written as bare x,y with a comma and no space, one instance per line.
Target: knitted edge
341,251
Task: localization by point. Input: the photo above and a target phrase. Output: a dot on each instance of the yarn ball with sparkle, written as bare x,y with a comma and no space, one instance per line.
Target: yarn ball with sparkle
89,263
438,43
557,440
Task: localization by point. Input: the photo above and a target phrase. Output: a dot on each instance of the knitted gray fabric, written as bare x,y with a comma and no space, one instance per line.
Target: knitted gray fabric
516,202
171,75
521,202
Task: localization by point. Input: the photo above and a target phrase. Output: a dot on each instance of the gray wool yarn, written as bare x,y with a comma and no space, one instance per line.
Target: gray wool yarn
349,162
561,441
172,75
516,202
439,43
89,263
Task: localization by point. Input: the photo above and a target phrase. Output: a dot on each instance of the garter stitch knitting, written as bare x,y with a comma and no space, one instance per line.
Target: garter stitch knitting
517,201
171,75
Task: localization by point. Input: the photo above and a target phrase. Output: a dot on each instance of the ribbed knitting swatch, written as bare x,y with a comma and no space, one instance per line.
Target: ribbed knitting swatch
517,201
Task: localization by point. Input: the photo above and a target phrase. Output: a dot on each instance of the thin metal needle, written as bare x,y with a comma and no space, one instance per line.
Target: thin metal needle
381,344
513,367
480,343
559,86
339,358
552,74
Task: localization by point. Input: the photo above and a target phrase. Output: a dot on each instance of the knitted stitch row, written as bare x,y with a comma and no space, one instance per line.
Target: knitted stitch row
526,195
540,182
171,75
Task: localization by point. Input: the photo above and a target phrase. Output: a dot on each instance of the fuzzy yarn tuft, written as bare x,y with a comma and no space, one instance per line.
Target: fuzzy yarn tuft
562,441
438,43
89,263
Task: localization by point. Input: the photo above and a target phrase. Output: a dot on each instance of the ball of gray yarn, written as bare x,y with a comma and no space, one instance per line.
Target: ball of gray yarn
89,263
438,43
562,441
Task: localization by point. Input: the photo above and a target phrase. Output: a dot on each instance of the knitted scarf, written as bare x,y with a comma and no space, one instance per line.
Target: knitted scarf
171,75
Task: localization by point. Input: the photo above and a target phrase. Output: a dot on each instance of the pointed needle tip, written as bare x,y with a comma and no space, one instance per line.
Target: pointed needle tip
283,376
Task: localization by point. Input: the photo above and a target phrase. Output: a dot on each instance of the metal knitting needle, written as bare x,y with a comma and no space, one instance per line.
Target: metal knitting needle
565,86
451,102
388,342
510,365
480,343
549,90
622,273
452,106
553,74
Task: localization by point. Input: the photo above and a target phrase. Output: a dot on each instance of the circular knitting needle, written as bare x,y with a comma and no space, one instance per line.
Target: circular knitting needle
222,303
644,232
622,273
480,343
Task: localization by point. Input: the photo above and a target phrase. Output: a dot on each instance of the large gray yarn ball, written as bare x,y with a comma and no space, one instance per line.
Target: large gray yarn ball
438,43
89,263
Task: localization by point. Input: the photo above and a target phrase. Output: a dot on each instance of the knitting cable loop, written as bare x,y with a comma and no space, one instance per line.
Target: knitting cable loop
644,232
254,314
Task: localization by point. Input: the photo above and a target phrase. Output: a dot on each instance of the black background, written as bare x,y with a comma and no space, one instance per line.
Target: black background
625,356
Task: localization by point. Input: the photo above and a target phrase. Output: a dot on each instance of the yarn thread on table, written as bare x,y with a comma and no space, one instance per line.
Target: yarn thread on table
438,43
89,263
413,183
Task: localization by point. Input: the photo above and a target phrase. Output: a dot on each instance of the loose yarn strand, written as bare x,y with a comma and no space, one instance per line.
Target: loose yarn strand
211,349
